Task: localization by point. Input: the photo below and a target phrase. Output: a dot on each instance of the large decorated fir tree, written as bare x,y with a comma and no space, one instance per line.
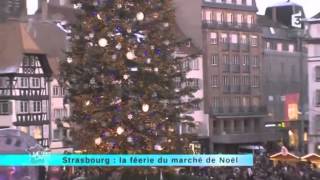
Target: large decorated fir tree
128,92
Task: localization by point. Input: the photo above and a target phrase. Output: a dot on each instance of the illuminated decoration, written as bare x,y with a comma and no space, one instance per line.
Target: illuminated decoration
291,107
98,141
145,107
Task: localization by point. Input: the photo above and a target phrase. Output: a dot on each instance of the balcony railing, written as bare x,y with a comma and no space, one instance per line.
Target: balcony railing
226,68
230,25
244,47
234,47
235,89
246,68
245,89
43,142
225,46
226,89
235,68
238,111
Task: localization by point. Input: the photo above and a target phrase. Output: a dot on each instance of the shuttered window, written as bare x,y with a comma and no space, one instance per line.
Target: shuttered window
5,108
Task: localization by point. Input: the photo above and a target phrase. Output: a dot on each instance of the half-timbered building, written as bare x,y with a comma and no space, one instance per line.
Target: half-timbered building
24,83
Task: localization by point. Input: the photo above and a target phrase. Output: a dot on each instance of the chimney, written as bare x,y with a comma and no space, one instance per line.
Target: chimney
274,14
44,10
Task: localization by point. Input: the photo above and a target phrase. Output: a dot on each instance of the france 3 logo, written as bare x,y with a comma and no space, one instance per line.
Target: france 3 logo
37,154
296,20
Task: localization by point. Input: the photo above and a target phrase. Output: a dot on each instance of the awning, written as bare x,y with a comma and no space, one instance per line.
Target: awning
311,157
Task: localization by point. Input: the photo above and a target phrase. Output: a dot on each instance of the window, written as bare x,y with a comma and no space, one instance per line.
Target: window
60,113
279,46
57,134
35,82
55,90
193,64
235,80
224,37
229,18
235,60
226,80
194,83
317,69
291,48
219,17
62,91
185,64
246,80
234,38
36,132
213,38
236,101
249,19
256,101
293,73
226,102
4,82
214,60
246,60
249,2
256,81
225,59
268,45
215,102
239,2
214,81
24,82
245,101
318,98
37,106
255,61
5,108
24,106
244,39
208,15
229,1
254,41
239,19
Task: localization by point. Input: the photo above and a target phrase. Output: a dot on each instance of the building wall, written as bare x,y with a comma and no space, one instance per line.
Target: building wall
235,104
6,121
314,86
59,111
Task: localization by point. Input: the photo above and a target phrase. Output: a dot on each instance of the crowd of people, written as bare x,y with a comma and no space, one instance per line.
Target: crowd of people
263,169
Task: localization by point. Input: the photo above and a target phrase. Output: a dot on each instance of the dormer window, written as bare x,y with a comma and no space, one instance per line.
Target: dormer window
188,43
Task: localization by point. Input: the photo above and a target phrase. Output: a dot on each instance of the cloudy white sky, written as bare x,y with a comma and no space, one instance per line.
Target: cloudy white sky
311,7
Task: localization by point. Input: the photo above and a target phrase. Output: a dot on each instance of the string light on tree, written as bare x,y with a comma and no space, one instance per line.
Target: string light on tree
127,57
140,16
103,42
130,55
69,60
98,141
120,130
145,107
158,147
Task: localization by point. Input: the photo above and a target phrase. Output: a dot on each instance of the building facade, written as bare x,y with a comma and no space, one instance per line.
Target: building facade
232,74
285,74
313,46
25,76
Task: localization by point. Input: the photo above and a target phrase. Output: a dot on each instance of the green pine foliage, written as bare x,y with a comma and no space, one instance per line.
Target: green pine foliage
126,88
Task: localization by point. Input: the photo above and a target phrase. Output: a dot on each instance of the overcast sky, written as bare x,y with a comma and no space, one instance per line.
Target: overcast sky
311,7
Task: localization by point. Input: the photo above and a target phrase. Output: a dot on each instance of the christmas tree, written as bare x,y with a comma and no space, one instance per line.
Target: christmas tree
128,91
